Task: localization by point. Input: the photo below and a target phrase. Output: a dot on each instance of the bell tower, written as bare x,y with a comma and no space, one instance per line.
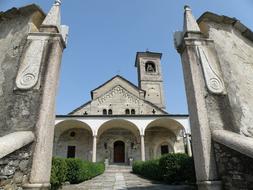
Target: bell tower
150,76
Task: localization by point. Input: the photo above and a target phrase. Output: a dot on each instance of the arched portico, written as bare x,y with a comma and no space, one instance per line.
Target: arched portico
149,135
113,131
73,138
171,124
163,135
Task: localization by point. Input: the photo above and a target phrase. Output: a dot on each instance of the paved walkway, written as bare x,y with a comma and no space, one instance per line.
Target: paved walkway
119,177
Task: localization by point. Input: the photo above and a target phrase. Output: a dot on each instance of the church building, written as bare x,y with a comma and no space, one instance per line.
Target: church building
123,122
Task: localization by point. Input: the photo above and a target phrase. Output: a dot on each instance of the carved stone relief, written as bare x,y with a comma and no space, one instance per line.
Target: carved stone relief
28,73
212,73
118,90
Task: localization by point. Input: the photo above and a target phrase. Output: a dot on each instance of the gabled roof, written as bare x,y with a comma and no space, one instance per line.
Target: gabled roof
80,107
128,82
244,30
122,78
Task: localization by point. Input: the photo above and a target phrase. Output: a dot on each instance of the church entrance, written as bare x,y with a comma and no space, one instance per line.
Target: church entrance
119,152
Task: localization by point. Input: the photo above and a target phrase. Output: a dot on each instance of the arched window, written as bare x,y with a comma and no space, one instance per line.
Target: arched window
132,111
150,67
110,112
104,112
127,111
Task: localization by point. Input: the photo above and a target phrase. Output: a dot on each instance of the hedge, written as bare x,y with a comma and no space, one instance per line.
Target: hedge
73,170
149,169
58,172
79,170
172,168
177,168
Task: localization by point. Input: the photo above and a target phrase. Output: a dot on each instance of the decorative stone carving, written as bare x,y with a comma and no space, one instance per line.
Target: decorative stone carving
28,73
118,90
212,74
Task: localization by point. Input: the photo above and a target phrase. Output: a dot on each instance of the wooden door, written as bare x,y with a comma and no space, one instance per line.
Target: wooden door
119,152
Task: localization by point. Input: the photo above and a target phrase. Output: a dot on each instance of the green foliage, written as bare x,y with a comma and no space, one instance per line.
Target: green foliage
74,171
149,169
177,168
58,172
171,168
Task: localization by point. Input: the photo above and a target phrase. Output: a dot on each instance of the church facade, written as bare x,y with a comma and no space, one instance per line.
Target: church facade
123,122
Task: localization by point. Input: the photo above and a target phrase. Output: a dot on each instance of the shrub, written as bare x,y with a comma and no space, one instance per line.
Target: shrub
58,172
79,170
171,168
177,168
149,169
73,170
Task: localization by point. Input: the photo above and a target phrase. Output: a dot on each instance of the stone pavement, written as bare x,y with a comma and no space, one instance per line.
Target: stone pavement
119,177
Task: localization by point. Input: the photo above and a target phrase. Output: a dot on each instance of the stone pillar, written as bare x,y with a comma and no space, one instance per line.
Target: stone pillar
188,144
94,149
42,156
48,44
142,148
195,51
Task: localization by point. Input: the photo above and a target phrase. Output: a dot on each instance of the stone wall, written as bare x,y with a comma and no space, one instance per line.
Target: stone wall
15,168
232,112
18,109
217,61
235,169
235,54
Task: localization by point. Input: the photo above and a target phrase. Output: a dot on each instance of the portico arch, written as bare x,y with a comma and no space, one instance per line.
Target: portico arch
163,133
118,123
73,138
118,130
64,125
174,126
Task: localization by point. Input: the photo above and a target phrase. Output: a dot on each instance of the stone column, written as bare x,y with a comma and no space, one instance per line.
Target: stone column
195,52
48,44
42,156
94,149
188,144
142,148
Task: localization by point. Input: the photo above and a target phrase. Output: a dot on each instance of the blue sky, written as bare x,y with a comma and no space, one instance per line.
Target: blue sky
106,34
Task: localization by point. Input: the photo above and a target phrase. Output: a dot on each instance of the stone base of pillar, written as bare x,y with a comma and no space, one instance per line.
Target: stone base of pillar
37,186
209,185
